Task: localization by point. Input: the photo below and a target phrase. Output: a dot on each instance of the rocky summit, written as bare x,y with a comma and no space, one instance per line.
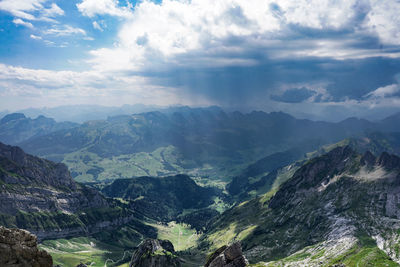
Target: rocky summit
155,253
230,256
18,248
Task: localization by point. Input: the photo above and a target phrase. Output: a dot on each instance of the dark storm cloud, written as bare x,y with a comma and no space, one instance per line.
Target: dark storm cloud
344,79
294,95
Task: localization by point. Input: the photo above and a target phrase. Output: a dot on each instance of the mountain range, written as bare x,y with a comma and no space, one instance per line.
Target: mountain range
293,192
206,142
16,127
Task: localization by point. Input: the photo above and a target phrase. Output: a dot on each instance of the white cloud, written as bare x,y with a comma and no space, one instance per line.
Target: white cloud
49,43
53,11
23,23
157,33
318,14
64,31
384,21
97,26
385,91
91,8
178,32
31,9
35,37
21,9
38,87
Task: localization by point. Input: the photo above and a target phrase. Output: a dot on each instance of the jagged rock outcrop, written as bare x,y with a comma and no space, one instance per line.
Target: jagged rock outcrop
155,253
18,248
368,159
231,256
390,162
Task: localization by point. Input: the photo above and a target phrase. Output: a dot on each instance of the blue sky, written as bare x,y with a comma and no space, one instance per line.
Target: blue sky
312,58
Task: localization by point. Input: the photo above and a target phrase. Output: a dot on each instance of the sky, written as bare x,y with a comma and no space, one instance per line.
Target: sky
319,59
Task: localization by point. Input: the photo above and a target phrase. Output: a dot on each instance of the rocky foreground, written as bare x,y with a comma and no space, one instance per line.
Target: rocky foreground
227,256
18,248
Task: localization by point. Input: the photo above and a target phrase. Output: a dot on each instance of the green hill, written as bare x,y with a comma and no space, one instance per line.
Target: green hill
162,198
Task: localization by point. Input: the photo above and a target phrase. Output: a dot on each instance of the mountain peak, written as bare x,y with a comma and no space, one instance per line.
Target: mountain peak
389,161
154,253
368,159
12,117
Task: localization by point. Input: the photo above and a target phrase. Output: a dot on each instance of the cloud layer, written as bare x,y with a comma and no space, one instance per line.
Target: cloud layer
299,56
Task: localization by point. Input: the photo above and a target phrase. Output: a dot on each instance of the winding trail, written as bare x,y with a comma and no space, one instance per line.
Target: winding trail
112,261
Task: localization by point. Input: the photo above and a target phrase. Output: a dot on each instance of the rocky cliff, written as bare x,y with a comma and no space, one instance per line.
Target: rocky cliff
18,248
31,184
40,196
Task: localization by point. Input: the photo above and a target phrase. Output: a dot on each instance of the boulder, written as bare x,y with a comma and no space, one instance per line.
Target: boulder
18,248
231,256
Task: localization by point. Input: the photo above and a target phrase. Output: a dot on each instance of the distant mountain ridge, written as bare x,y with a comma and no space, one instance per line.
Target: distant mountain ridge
82,113
192,137
16,127
199,141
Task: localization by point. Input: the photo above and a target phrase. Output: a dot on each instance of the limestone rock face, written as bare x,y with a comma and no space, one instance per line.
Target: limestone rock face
32,184
155,253
231,256
18,248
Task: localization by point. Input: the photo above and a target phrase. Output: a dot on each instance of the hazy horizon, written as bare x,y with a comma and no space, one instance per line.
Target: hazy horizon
82,113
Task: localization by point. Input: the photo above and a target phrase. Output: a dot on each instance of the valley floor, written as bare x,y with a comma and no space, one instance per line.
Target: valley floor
73,251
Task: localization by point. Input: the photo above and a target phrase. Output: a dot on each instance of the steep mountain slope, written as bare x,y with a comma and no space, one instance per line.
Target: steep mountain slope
40,196
162,198
260,177
15,127
270,172
377,143
203,141
338,208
